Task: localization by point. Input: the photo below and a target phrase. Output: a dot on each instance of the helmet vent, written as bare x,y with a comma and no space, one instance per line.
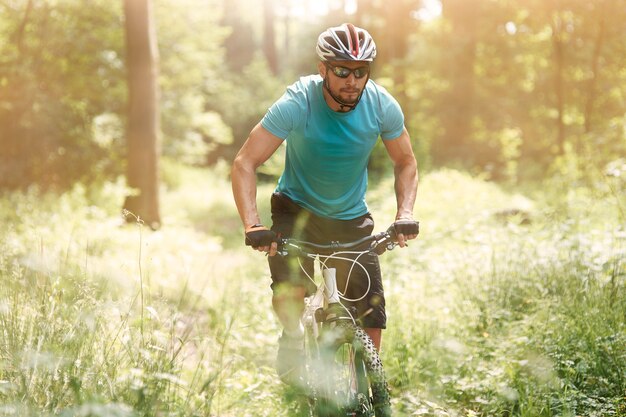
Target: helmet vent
353,39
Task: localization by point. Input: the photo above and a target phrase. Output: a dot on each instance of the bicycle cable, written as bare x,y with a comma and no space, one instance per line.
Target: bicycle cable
354,262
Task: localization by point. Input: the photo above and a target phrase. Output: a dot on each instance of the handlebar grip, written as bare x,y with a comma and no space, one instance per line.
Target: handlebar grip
405,227
261,237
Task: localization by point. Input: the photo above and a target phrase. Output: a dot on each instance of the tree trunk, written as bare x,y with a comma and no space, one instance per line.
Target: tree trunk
457,107
240,44
143,113
595,68
14,102
398,28
287,35
558,50
19,34
269,37
364,13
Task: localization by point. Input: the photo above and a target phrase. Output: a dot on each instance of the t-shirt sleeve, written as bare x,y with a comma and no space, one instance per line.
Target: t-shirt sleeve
393,119
282,117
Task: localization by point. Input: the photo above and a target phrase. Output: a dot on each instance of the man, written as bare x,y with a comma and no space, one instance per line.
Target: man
330,123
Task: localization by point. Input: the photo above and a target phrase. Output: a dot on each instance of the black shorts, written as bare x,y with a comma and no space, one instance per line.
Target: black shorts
292,221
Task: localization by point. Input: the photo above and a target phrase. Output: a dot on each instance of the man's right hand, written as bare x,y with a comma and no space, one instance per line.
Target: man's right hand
261,239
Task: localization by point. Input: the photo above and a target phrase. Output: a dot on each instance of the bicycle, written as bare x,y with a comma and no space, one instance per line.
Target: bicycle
342,374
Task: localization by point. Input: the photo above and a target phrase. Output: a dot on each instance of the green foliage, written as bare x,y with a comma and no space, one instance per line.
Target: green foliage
89,326
514,305
505,305
243,100
505,88
63,88
191,59
50,92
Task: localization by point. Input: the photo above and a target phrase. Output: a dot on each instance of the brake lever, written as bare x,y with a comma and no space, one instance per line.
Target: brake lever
282,248
384,244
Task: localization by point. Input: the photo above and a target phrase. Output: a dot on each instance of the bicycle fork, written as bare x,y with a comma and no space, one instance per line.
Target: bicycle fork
330,285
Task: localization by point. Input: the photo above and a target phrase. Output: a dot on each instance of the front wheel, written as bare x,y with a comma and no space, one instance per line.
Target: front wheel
348,376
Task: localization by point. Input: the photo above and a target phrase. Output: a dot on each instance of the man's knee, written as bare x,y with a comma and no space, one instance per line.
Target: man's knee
285,291
288,303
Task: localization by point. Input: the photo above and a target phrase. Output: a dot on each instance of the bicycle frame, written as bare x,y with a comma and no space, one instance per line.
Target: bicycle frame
338,386
336,372
325,295
332,335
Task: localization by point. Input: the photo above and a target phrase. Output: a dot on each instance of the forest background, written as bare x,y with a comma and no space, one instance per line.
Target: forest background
517,113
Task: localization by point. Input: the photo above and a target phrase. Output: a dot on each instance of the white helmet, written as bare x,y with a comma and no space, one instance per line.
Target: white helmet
346,43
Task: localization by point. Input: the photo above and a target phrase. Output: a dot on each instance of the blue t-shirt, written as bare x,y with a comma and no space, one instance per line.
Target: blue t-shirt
327,151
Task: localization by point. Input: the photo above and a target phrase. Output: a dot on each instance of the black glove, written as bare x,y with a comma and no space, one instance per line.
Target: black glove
260,237
405,227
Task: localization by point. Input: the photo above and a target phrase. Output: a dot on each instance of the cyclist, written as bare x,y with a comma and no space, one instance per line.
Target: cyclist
330,122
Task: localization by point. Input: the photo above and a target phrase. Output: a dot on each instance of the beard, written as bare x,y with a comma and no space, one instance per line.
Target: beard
346,96
349,96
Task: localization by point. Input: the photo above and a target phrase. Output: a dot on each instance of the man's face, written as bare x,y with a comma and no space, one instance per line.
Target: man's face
348,88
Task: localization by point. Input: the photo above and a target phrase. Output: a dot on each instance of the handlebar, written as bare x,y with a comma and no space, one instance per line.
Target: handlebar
377,243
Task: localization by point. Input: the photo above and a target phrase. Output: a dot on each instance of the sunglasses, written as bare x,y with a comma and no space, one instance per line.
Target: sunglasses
343,72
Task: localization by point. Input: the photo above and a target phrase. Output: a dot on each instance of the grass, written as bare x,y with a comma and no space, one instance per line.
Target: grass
506,305
518,317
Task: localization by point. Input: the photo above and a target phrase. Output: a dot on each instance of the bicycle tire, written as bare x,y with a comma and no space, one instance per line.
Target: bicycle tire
346,374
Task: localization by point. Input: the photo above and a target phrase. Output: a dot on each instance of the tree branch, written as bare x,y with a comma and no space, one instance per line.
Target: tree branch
19,34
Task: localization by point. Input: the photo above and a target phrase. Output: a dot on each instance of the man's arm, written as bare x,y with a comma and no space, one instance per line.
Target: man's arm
259,146
406,178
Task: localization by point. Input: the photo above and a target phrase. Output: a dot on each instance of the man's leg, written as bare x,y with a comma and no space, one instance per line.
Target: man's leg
288,303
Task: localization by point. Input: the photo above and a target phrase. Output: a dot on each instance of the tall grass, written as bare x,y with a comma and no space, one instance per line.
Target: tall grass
99,318
505,305
522,315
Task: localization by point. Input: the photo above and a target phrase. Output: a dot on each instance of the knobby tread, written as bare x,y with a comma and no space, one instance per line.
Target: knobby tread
355,335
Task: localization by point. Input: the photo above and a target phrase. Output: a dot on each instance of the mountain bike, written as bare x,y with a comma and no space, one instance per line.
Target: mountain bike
342,374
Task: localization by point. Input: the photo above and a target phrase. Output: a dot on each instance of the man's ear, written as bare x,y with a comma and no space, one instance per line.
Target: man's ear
322,69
